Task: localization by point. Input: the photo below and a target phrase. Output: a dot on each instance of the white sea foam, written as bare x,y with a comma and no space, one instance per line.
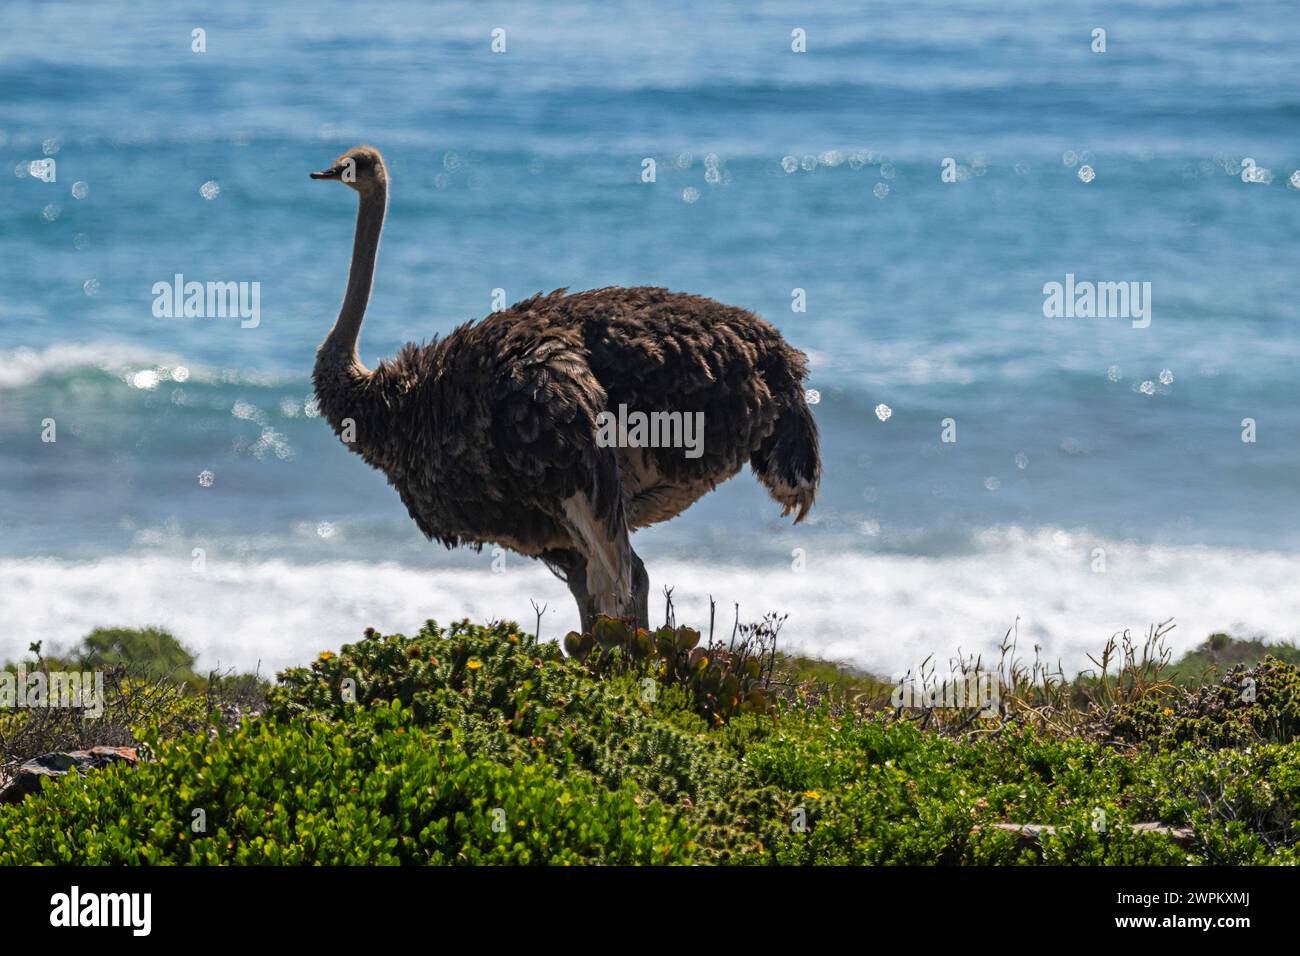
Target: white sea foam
21,367
884,612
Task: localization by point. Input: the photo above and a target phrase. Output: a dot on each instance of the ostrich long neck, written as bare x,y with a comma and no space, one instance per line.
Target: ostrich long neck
340,375
341,343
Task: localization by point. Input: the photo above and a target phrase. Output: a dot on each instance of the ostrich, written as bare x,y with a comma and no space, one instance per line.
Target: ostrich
493,435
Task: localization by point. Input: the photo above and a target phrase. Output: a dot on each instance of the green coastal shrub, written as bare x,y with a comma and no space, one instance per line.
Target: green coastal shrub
368,791
157,651
149,653
147,680
517,700
884,791
1244,804
409,749
1220,653
1259,704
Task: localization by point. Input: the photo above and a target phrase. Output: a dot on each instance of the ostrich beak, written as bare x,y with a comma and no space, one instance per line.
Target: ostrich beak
334,172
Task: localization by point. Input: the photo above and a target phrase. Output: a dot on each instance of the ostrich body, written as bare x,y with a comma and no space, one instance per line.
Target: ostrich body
491,434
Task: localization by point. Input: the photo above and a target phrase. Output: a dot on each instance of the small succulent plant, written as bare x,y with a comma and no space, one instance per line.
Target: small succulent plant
724,681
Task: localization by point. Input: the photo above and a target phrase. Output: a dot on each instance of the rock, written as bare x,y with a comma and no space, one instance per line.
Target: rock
27,778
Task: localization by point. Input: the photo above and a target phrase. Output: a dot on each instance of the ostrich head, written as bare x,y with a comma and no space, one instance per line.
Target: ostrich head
361,167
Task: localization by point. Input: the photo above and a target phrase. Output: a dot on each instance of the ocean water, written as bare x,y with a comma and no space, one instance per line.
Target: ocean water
1098,481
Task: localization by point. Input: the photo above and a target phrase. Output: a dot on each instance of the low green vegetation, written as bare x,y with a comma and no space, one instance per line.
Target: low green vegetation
469,744
1219,653
147,679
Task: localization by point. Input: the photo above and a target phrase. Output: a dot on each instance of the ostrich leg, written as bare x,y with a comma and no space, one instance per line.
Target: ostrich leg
640,592
571,568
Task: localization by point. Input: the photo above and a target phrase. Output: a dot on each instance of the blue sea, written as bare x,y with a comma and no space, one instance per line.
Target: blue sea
1098,479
